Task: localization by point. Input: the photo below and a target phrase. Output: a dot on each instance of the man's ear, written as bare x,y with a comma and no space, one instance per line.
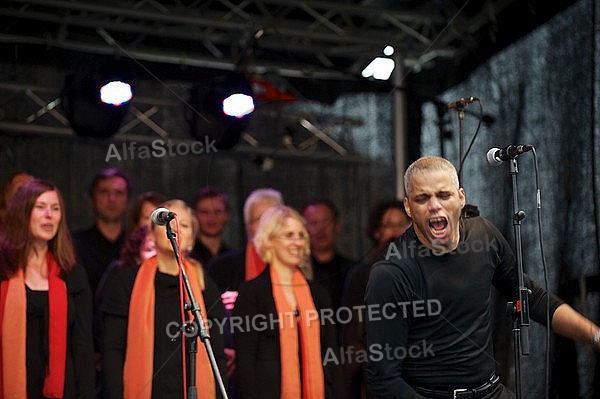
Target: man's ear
462,196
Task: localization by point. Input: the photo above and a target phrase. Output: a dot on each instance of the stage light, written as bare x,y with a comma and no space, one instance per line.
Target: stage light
381,68
238,105
116,92
97,101
221,109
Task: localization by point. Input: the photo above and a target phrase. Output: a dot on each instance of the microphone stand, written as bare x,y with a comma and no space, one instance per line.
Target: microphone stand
520,309
190,329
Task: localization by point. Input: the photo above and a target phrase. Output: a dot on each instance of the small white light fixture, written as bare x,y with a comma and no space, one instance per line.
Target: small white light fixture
381,68
238,105
116,93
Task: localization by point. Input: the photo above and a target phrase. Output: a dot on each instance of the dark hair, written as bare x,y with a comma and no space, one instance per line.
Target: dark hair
211,192
322,201
377,213
15,234
9,186
136,207
130,253
109,173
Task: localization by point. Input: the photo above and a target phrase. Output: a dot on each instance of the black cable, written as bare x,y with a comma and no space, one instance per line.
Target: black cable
462,161
544,269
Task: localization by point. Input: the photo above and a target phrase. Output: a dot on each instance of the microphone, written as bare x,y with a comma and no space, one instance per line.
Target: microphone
496,156
462,102
162,216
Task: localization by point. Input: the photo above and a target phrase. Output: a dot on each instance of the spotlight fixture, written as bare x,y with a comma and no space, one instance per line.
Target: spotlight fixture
116,93
238,105
221,109
381,68
97,101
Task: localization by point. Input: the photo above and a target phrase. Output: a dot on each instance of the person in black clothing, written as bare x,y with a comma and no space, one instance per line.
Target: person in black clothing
138,247
211,208
281,352
230,269
100,244
330,267
429,330
144,350
45,301
387,220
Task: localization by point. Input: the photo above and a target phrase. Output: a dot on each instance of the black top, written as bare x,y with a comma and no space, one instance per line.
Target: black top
431,319
95,252
167,382
203,255
353,330
257,342
80,371
228,269
332,275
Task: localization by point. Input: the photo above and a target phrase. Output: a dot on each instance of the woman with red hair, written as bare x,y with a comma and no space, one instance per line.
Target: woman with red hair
46,346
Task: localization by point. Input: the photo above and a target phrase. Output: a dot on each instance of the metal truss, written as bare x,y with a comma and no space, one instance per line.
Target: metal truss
291,38
37,111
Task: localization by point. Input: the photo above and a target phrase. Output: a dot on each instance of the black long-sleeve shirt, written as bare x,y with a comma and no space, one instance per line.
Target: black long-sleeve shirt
429,313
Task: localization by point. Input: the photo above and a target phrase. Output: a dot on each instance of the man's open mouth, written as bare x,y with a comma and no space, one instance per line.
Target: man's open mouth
438,225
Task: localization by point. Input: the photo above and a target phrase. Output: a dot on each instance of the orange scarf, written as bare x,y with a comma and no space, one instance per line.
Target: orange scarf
311,385
13,325
139,356
254,264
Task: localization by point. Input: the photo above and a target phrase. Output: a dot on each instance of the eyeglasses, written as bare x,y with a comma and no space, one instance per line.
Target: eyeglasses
291,237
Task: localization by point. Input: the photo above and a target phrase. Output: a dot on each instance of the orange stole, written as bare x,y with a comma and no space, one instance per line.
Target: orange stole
13,309
312,385
13,325
254,264
139,356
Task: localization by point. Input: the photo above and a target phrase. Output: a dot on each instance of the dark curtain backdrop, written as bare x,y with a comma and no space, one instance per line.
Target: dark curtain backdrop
543,90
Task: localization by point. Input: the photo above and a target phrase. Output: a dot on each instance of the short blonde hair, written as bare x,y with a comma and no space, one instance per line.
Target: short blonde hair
185,252
181,203
270,225
426,164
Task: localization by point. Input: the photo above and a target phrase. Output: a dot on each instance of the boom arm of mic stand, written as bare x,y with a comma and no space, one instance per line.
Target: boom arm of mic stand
199,322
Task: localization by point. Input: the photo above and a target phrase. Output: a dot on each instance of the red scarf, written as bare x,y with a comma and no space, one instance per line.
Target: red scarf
311,385
254,264
139,356
13,325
